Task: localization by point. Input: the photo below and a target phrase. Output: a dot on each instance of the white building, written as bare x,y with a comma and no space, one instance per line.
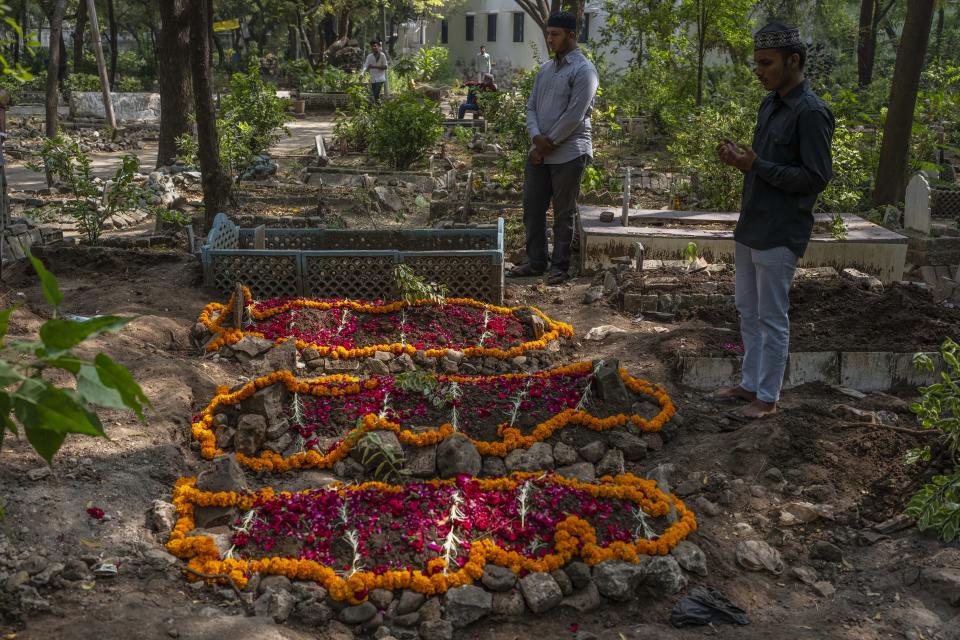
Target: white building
511,37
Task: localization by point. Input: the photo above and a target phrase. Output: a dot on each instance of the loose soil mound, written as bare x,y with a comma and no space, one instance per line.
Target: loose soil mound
833,316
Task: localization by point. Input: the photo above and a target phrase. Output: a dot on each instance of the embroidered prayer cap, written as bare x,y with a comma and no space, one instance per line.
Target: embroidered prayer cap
562,20
776,35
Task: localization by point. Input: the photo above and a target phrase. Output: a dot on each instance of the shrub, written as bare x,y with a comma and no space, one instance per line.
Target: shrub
854,162
713,185
46,412
72,168
129,85
506,115
429,64
404,129
250,121
937,505
83,82
249,100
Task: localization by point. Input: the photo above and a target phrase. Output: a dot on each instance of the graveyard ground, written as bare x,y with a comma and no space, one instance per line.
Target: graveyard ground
867,581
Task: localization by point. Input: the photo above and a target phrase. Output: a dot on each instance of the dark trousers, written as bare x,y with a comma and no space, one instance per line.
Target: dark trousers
464,107
377,88
543,183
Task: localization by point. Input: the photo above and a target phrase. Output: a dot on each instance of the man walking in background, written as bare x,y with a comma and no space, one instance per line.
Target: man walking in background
482,64
376,64
784,171
558,121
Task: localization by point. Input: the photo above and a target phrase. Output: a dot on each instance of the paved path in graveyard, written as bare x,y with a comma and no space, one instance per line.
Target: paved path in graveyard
105,163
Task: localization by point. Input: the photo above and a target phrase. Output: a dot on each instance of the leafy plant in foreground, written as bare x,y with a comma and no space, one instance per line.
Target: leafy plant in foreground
46,412
937,505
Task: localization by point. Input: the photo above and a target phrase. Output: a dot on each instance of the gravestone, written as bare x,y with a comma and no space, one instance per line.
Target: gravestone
917,207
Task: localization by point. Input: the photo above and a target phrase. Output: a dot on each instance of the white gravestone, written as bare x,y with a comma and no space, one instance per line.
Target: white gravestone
917,206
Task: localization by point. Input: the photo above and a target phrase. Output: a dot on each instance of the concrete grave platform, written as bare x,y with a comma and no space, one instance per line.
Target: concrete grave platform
861,370
665,234
127,107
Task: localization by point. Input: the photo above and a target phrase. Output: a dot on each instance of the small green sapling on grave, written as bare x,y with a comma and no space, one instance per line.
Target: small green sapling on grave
413,287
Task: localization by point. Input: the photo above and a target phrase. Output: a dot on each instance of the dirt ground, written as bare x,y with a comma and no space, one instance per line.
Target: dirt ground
828,315
898,585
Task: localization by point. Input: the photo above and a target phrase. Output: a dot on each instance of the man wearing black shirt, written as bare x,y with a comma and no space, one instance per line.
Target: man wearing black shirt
785,169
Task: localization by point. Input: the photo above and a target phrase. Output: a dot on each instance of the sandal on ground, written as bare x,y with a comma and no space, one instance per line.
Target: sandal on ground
733,393
523,271
557,277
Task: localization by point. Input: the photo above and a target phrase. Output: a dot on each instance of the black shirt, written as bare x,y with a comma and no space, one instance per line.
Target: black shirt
792,142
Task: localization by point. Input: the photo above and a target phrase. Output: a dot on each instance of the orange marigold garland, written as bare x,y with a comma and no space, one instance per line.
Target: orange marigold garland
511,438
215,313
573,537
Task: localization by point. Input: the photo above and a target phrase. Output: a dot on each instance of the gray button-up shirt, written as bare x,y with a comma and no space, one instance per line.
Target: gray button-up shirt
560,105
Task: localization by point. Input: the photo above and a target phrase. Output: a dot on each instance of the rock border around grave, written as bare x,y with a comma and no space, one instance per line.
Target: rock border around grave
520,452
541,329
575,538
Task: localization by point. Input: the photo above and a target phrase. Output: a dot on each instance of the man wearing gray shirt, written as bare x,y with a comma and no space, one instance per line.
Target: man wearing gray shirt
558,121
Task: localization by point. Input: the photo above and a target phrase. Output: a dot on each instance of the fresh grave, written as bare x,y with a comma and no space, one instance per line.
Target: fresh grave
278,422
350,329
429,537
827,314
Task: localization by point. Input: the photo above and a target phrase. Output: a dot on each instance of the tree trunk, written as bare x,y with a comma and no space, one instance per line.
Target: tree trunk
216,43
53,66
866,43
101,67
702,25
938,39
114,38
216,184
78,36
176,90
891,173
62,69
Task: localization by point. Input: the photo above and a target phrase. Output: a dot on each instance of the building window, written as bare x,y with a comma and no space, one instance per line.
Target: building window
518,26
491,27
444,32
584,29
469,35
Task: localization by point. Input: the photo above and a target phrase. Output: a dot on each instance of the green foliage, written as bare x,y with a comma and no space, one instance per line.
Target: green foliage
463,135
251,119
72,168
354,127
714,186
838,228
129,85
11,31
598,178
413,287
429,64
330,79
385,462
187,149
937,505
46,412
506,115
690,252
404,128
855,161
83,82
